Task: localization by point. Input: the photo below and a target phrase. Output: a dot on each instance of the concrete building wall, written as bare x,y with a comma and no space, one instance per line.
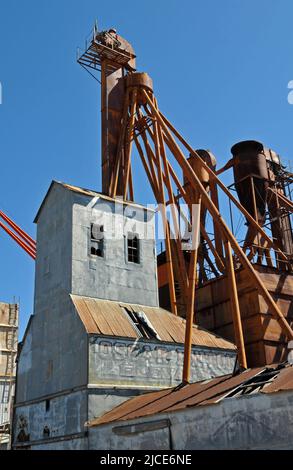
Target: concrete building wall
54,249
64,261
118,370
73,443
112,277
64,417
54,354
103,399
259,421
51,419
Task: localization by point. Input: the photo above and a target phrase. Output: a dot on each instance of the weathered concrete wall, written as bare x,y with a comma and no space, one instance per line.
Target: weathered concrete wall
64,262
65,417
259,421
54,353
101,400
54,253
74,443
112,277
146,364
49,419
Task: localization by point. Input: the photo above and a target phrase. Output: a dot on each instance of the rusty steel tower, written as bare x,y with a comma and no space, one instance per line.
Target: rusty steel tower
131,116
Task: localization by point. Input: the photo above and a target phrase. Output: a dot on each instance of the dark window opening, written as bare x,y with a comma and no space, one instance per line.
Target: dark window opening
47,405
97,240
142,324
133,248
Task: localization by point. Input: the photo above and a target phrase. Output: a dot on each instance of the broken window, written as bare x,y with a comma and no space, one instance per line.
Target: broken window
97,240
133,248
142,324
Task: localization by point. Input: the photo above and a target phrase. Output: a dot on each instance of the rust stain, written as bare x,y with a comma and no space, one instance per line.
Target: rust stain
108,318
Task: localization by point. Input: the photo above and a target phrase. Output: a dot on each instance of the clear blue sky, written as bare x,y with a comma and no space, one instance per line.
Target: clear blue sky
220,70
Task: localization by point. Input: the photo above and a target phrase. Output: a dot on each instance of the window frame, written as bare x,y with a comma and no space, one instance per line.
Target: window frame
135,251
97,243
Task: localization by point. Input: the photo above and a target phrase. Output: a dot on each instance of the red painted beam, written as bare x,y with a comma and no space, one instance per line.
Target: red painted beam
30,251
30,241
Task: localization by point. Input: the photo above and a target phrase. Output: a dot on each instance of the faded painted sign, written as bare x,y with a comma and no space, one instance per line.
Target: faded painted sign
140,363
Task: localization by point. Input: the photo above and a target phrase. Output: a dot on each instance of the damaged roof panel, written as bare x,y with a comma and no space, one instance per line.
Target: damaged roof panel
267,379
283,381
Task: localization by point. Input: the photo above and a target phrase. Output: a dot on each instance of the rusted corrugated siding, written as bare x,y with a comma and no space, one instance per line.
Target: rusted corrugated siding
283,381
108,318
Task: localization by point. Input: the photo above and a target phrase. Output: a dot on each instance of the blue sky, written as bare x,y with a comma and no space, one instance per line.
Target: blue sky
220,71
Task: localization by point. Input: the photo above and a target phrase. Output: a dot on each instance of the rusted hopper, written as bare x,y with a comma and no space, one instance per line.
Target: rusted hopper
258,182
250,163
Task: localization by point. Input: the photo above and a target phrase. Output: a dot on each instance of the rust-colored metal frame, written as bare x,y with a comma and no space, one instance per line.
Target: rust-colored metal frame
153,135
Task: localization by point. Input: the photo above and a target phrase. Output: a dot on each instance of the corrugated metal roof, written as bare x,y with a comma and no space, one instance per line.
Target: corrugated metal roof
283,381
105,317
269,379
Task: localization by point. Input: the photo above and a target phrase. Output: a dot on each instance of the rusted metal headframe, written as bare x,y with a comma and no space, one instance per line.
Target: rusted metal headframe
130,114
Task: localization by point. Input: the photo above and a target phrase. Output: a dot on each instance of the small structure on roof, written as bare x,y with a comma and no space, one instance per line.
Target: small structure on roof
98,335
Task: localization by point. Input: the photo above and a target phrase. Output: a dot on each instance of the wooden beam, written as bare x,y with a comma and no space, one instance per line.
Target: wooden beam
182,265
147,168
128,144
234,303
162,207
191,296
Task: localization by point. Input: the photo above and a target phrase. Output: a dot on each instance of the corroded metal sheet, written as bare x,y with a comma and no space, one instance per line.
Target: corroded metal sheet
283,381
109,318
201,393
85,315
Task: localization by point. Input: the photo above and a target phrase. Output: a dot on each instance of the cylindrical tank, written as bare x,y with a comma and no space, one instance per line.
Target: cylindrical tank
199,170
250,162
142,81
202,174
